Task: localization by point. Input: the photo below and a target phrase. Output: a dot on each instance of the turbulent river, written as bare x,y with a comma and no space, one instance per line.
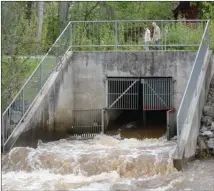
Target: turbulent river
103,163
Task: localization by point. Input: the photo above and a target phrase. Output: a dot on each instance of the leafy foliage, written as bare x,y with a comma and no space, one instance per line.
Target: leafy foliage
20,19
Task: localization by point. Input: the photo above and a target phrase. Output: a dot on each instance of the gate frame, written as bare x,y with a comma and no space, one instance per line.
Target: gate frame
133,80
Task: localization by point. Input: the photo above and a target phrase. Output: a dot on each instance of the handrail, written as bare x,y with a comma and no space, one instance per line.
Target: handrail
129,34
22,102
185,97
61,48
35,70
112,21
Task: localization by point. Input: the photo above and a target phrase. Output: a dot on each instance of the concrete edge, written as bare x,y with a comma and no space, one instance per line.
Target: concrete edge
179,160
38,101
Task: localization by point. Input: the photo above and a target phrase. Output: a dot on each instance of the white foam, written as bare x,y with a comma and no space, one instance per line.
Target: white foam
106,148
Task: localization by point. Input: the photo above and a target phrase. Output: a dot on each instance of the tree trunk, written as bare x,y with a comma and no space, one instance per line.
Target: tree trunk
63,14
28,11
40,9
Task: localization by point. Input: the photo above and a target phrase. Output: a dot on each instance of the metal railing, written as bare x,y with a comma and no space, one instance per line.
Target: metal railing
105,36
129,35
191,87
21,104
87,123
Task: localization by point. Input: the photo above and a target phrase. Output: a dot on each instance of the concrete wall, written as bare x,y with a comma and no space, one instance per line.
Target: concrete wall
51,115
186,147
79,83
91,68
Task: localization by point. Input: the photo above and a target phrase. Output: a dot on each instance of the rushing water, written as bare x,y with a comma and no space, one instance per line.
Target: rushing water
102,163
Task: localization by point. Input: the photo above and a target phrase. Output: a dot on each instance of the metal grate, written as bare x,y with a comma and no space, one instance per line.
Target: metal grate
87,123
157,93
122,93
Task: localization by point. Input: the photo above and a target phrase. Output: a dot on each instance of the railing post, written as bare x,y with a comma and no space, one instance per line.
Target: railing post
41,77
207,35
165,36
3,132
71,38
115,35
106,84
23,102
162,31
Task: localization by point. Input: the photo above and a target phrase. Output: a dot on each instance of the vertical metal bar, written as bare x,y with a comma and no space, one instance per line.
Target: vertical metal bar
162,31
102,121
146,93
165,92
41,77
132,95
150,92
162,105
9,126
134,98
153,94
23,103
155,85
129,95
168,93
71,35
165,96
160,83
122,99
3,130
119,92
115,35
143,92
165,32
107,93
151,100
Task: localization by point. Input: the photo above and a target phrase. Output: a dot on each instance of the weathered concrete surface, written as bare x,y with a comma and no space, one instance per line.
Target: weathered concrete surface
91,68
186,147
80,85
51,115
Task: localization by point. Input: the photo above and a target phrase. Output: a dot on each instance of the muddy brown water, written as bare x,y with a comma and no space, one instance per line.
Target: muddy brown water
138,124
122,160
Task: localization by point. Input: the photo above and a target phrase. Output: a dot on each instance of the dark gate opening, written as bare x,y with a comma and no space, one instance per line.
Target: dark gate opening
139,124
138,107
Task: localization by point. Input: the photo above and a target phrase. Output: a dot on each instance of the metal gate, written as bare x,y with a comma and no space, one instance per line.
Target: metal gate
122,93
157,93
87,123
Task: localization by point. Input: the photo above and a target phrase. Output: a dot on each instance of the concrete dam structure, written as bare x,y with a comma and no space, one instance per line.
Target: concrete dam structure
87,91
